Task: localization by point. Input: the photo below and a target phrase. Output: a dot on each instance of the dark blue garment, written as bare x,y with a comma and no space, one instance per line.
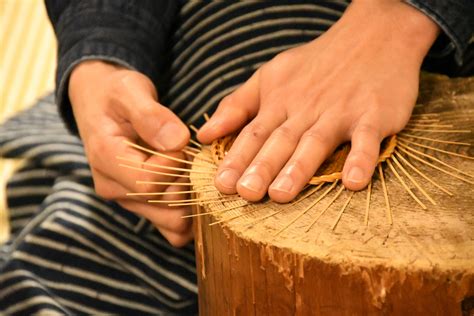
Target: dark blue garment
136,34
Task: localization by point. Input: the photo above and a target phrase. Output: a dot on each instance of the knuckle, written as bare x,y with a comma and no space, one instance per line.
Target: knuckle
265,165
368,129
316,135
256,130
287,133
227,102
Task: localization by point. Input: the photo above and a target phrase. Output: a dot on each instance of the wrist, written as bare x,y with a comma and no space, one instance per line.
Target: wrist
409,29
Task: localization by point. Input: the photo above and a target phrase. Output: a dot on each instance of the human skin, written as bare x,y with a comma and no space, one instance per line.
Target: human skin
357,82
112,104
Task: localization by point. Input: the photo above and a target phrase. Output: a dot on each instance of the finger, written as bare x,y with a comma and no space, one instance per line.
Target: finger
362,159
244,150
161,216
109,189
316,144
279,147
175,239
234,111
154,123
106,161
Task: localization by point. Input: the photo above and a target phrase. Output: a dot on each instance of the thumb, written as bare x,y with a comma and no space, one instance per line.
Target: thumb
157,125
233,112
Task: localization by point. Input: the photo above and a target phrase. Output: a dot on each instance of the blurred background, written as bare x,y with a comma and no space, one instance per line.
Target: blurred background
27,66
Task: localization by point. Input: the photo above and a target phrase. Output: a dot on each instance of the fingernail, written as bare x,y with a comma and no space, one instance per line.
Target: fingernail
171,135
355,175
283,184
228,178
253,182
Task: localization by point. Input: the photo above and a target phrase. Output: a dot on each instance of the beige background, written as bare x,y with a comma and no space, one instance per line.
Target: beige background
27,65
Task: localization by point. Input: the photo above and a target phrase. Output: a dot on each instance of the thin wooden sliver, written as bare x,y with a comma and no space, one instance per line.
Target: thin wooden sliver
144,163
169,193
403,140
447,131
194,128
225,220
177,175
367,204
304,211
162,155
325,208
385,194
402,159
404,149
215,212
192,141
415,183
342,210
403,135
405,186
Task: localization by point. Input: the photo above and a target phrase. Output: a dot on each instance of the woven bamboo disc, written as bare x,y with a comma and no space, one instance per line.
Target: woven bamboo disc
334,257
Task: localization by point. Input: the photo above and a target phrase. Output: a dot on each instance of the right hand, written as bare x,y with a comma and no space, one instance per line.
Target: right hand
112,104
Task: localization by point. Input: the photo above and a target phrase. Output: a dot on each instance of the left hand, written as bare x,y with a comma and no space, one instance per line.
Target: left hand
357,82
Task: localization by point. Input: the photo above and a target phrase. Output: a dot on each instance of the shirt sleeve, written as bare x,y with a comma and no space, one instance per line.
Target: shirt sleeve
456,20
131,33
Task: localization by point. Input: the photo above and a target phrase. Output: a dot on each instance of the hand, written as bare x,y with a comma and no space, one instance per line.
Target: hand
112,104
357,82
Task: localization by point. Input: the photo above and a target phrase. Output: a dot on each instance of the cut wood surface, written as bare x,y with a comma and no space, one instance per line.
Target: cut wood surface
252,264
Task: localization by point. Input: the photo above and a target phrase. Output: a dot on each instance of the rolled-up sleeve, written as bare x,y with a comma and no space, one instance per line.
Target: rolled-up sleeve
131,33
456,20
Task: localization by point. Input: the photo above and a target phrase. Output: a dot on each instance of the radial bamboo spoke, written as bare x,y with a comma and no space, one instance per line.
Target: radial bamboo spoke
192,141
206,116
194,128
169,193
163,155
425,120
407,150
204,202
216,211
225,220
144,163
405,186
402,159
447,131
406,141
325,208
187,184
194,154
173,202
367,204
342,210
415,183
434,139
308,194
416,125
193,149
177,175
309,207
385,194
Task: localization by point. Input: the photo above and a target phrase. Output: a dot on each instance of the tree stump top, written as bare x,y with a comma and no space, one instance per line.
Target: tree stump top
440,238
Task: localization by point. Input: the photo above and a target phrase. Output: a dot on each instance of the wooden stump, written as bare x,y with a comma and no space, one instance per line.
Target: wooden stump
422,264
